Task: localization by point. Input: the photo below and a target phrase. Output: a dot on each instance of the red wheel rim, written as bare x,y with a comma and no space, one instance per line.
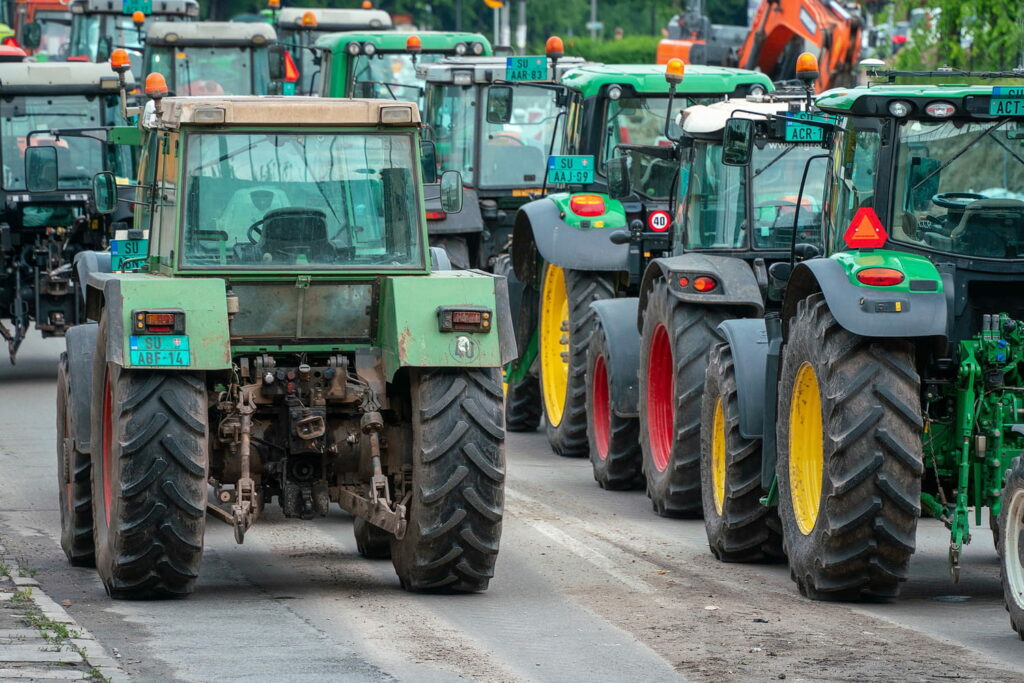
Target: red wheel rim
108,434
660,399
602,408
65,459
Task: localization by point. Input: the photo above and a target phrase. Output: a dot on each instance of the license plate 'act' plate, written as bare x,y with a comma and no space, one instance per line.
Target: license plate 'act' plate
159,350
1007,101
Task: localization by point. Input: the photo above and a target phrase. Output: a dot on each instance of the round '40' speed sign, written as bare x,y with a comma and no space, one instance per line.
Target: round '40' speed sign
658,221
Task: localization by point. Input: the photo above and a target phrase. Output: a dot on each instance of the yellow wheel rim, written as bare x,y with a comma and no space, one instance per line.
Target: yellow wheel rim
554,343
805,448
718,456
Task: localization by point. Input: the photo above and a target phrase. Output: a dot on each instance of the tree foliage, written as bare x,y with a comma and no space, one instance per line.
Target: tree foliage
964,34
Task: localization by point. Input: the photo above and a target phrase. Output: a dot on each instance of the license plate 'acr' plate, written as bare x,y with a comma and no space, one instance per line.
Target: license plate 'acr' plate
159,350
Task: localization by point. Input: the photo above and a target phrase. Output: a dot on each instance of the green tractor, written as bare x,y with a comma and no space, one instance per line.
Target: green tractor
560,246
496,124
212,57
285,337
891,384
52,113
384,63
647,358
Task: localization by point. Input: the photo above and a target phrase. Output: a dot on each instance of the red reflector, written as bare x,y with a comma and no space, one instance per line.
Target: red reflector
78,58
159,319
291,72
588,205
865,230
684,281
436,215
704,283
467,317
10,41
880,277
159,328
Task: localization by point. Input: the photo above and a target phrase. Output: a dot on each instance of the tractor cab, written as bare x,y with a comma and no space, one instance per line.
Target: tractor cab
383,64
299,28
55,121
43,28
211,58
98,27
497,124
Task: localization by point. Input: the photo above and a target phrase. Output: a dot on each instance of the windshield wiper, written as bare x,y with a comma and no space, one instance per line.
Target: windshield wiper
960,153
770,163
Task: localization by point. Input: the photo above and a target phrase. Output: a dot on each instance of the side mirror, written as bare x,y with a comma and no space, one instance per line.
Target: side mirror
31,35
104,192
40,169
617,170
451,192
428,161
780,271
737,142
276,59
499,104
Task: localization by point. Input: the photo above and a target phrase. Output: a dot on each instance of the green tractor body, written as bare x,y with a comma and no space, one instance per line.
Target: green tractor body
296,338
892,379
215,58
54,124
384,63
561,249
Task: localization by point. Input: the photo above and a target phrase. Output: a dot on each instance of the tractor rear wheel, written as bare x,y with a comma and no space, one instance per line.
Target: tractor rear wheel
458,482
566,326
739,527
149,478
849,457
523,405
372,542
73,485
614,440
674,349
1011,545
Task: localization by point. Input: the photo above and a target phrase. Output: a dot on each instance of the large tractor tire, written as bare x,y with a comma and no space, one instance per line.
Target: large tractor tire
73,481
523,407
1011,545
567,324
614,440
674,348
372,542
458,482
849,457
739,527
150,467
457,249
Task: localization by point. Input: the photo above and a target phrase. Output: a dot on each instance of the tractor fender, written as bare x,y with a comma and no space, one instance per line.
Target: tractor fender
865,311
623,343
80,342
86,263
541,231
748,340
737,286
465,222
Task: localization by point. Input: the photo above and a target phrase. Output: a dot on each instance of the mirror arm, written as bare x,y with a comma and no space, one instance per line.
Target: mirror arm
799,202
126,111
668,113
551,149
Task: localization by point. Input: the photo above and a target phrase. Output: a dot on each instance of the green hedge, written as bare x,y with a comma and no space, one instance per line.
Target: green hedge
628,50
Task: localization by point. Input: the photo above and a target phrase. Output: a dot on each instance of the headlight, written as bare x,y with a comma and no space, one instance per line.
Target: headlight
462,78
353,48
940,110
899,108
460,49
369,49
478,48
614,93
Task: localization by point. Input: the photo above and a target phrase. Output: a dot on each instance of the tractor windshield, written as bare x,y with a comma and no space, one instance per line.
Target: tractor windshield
451,117
640,121
55,27
960,187
514,154
96,35
212,70
390,76
78,158
717,216
301,201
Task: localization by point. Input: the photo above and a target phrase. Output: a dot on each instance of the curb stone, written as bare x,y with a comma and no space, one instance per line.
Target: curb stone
84,644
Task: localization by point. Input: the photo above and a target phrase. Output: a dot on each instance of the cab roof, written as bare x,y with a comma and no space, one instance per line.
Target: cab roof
188,8
650,79
394,41
270,111
331,19
873,100
58,78
210,33
708,120
483,69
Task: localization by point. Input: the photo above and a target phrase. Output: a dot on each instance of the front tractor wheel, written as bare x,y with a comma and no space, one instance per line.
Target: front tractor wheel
458,482
849,457
674,350
566,327
1011,561
739,527
372,542
149,478
74,488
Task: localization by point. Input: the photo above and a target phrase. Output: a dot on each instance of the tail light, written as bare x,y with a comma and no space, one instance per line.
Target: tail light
879,277
704,283
162,321
587,205
436,215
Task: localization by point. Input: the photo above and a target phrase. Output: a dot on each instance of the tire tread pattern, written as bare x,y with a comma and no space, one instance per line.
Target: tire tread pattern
621,469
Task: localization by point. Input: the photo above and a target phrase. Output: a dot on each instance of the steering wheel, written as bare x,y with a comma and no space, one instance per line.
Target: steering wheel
508,138
255,231
955,200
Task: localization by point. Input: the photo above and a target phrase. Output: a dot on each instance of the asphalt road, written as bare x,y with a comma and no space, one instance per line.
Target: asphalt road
590,585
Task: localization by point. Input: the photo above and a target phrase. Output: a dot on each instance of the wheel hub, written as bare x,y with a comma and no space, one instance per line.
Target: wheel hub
554,343
805,448
718,456
660,399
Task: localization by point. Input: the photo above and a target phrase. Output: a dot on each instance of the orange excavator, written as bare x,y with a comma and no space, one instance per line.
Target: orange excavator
781,30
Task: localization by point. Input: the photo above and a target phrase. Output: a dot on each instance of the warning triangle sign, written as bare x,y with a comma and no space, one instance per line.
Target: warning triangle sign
865,230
